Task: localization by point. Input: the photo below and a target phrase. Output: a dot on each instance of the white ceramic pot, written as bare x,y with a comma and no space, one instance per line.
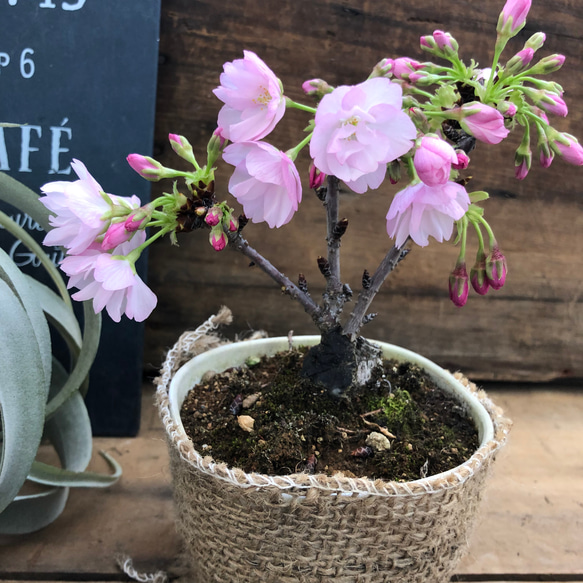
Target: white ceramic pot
253,528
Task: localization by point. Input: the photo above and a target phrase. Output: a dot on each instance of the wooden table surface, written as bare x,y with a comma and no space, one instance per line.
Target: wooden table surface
531,526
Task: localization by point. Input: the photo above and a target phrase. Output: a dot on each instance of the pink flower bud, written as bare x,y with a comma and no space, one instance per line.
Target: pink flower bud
519,62
548,65
552,103
115,235
433,160
213,216
444,40
182,147
507,108
546,156
571,152
483,122
463,160
383,68
478,275
132,224
521,169
536,41
317,178
404,67
496,268
427,42
218,239
316,87
219,133
146,167
233,225
458,285
513,16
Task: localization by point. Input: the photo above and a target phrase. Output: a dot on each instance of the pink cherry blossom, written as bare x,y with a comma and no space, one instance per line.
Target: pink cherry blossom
358,130
514,13
419,211
81,210
483,122
265,181
433,160
253,99
110,281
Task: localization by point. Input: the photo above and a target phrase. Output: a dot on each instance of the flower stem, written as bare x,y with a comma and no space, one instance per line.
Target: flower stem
291,103
293,153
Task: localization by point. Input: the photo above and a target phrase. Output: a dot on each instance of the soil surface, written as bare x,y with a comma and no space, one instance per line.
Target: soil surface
264,418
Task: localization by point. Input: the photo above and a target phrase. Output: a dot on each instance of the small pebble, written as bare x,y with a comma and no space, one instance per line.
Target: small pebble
378,441
208,375
246,423
250,400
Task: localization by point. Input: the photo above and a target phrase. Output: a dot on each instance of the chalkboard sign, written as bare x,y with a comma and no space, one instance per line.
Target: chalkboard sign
81,74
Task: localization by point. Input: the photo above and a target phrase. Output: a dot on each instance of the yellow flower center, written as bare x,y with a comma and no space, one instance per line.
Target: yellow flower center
264,97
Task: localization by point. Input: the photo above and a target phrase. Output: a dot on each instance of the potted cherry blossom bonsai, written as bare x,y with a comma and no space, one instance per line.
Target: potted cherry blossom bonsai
413,123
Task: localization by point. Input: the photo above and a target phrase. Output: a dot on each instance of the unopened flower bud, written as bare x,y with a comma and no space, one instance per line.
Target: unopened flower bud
569,148
316,88
548,65
536,41
213,216
134,222
463,160
496,268
182,147
518,63
115,235
507,108
147,167
382,69
317,178
394,171
458,285
523,156
404,67
217,238
549,101
513,17
232,224
478,275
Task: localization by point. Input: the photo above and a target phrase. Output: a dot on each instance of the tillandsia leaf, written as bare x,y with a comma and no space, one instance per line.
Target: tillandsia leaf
23,392
23,198
52,476
32,512
69,430
20,286
91,334
13,228
59,314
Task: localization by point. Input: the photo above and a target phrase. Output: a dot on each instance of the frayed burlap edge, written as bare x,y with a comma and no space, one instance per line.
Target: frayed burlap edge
205,338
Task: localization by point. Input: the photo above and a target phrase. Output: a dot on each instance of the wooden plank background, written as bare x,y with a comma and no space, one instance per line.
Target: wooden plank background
529,330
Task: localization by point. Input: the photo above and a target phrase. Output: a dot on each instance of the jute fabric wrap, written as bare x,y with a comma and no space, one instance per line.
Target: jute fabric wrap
254,528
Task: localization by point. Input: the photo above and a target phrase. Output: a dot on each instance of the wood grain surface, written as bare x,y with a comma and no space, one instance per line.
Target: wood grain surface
529,330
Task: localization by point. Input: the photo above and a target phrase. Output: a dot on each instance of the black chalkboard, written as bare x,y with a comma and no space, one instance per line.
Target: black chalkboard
82,75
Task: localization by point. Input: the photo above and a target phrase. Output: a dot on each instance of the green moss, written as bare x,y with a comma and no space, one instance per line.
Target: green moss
398,411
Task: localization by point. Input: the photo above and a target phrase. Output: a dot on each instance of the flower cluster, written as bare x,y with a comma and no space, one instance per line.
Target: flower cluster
414,122
102,234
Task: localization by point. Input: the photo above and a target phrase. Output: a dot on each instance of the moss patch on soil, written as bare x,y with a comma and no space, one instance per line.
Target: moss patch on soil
298,427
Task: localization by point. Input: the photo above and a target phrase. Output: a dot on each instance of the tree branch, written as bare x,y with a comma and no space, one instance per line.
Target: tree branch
366,296
310,306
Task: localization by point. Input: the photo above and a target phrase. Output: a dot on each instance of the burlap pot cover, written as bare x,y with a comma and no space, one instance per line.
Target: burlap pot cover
252,528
